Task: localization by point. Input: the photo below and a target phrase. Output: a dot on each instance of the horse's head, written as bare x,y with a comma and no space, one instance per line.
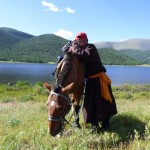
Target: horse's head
58,107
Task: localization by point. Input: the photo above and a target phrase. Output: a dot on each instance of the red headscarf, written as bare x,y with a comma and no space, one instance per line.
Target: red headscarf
81,35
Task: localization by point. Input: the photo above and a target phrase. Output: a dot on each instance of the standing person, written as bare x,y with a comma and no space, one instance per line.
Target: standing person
99,103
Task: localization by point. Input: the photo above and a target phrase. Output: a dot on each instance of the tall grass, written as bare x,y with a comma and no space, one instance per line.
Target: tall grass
23,121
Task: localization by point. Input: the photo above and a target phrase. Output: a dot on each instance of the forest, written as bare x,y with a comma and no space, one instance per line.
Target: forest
17,46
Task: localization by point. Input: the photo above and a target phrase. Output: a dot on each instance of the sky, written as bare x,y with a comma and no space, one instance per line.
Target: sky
102,20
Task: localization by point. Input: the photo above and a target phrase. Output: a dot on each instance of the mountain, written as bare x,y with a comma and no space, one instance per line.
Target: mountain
113,57
23,47
137,49
43,48
9,36
142,56
15,33
138,44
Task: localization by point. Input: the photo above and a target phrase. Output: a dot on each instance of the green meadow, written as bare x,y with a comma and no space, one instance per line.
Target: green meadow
23,121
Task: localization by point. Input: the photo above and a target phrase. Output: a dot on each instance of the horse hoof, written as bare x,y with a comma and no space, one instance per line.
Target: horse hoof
76,125
59,135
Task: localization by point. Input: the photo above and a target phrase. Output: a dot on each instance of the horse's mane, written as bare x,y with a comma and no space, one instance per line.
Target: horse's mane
61,75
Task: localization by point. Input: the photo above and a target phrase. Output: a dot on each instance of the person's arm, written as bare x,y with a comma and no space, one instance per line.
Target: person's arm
83,53
66,47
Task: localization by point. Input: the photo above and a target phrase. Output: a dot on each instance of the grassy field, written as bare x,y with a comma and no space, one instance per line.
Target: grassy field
23,121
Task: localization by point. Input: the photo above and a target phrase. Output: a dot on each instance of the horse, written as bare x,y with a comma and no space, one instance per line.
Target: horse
65,93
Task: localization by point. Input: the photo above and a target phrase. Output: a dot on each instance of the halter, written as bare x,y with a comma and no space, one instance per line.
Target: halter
62,119
57,94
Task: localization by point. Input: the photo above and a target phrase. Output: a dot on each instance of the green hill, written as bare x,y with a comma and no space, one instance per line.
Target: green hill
113,57
137,43
143,56
22,47
9,36
41,49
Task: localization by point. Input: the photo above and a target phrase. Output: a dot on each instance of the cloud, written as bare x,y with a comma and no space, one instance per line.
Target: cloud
69,10
50,6
54,8
64,33
121,40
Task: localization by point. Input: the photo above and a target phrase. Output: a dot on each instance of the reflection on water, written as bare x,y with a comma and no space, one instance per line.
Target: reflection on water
12,72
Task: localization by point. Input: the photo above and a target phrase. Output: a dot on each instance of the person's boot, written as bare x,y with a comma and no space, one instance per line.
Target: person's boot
105,124
95,128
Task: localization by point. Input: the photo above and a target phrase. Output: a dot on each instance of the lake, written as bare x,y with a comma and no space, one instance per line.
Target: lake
12,72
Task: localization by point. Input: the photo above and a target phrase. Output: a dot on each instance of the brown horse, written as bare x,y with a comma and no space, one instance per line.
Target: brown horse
65,93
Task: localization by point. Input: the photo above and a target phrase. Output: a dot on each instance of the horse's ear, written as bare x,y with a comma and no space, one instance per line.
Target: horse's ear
68,88
48,86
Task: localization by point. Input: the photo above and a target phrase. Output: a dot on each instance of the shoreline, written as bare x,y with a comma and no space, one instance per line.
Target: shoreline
12,62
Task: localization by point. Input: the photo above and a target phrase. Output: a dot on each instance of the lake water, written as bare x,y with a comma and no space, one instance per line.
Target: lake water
12,72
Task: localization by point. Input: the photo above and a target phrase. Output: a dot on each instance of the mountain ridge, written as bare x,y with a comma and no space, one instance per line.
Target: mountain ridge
136,43
23,47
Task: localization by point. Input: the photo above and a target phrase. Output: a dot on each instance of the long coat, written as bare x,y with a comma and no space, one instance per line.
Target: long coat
95,107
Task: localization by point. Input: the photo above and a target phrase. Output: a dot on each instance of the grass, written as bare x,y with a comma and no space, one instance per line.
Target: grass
23,121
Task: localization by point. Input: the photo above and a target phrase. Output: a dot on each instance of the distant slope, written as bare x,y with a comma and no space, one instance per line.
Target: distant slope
42,49
143,56
139,44
138,49
113,57
9,36
16,33
22,47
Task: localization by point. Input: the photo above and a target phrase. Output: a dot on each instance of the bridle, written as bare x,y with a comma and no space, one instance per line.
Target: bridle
68,106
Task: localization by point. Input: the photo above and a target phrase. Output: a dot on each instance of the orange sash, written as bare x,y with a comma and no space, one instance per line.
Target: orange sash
104,82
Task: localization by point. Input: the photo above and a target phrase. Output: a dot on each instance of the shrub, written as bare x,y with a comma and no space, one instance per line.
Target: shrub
25,98
7,99
14,122
39,83
22,84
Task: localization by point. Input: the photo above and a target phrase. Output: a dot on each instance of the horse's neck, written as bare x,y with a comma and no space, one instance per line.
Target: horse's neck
63,70
70,70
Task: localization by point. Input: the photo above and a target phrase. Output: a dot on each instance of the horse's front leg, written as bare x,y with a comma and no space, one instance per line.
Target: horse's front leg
76,120
76,110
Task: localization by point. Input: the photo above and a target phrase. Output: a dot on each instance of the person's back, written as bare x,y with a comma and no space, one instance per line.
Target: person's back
90,57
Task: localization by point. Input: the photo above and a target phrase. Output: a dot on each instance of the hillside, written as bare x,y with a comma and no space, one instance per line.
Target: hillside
138,49
113,57
9,36
22,47
138,44
39,49
16,33
143,56
19,46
